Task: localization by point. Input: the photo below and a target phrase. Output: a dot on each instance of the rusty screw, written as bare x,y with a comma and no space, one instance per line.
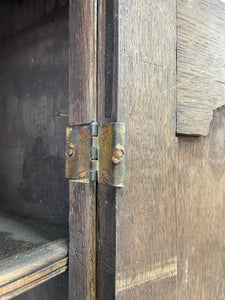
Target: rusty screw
69,152
104,177
82,172
84,133
117,156
104,133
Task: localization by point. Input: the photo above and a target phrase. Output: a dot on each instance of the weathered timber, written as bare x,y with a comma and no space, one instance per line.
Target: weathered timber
200,64
201,213
137,224
82,109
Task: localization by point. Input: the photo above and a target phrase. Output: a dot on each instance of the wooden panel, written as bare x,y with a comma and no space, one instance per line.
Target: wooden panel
23,264
33,284
55,288
137,224
82,109
17,15
201,213
24,282
33,117
30,254
200,64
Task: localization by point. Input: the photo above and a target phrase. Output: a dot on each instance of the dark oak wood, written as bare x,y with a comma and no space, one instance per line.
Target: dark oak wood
200,64
34,113
33,117
33,284
82,109
55,288
137,224
16,15
201,213
30,254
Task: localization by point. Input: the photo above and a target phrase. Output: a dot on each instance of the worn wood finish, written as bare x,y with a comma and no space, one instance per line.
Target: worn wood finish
137,224
33,284
82,109
24,283
18,235
201,213
24,264
200,64
33,117
107,112
30,254
55,288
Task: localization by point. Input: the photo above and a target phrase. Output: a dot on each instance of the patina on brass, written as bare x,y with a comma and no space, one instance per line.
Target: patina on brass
96,153
111,169
78,142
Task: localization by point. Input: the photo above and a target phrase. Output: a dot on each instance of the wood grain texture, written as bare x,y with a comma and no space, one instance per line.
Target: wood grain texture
137,224
55,288
11,287
107,112
201,213
30,254
200,64
82,109
23,264
33,284
33,117
82,69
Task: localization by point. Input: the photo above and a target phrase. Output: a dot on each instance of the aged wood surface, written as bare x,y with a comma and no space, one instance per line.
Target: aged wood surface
33,116
200,64
23,264
55,288
34,277
33,284
18,235
137,224
201,213
107,112
30,254
82,109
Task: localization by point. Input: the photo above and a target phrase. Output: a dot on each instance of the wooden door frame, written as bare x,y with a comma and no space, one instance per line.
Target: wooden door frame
82,110
99,82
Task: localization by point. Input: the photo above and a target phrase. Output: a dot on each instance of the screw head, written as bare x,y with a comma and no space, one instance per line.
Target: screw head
117,156
69,152
104,133
84,133
104,177
82,172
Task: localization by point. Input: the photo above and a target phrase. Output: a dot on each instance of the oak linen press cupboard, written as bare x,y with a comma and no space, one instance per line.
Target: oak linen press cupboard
141,214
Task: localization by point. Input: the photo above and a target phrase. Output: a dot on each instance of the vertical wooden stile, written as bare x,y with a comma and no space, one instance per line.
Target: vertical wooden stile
136,85
82,109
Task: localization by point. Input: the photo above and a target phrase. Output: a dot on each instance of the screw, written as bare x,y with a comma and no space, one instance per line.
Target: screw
104,133
69,152
82,172
84,133
117,156
104,177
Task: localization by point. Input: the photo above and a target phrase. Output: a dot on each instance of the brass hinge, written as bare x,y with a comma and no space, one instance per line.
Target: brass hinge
96,153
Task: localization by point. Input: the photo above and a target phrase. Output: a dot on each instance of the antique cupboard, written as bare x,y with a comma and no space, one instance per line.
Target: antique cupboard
141,212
